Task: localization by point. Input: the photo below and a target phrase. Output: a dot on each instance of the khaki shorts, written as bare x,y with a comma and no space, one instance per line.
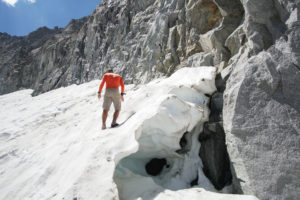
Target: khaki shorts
112,95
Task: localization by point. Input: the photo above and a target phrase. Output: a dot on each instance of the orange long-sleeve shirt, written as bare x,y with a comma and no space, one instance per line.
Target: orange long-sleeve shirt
112,81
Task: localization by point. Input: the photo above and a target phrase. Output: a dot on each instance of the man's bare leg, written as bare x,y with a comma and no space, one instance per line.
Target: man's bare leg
104,117
115,117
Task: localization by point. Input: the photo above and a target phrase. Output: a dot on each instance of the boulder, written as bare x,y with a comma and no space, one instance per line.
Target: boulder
261,120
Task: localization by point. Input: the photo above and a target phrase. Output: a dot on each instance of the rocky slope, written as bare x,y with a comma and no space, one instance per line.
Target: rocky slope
139,39
254,44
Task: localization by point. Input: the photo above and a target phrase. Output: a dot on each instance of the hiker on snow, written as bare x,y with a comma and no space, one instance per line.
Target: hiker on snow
112,95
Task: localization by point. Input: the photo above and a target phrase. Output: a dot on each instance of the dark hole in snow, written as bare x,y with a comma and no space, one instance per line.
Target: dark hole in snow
183,141
183,144
194,182
155,166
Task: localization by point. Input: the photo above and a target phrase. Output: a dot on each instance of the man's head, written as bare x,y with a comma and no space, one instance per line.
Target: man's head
109,71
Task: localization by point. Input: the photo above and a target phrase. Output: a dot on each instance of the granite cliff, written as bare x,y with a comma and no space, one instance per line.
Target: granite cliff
254,124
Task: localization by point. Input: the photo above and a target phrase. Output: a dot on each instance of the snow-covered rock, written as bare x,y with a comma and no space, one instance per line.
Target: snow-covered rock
51,145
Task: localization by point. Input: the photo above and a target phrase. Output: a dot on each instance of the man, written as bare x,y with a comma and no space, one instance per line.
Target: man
112,95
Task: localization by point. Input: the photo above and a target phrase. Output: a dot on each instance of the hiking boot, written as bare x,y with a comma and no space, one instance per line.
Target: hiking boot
114,125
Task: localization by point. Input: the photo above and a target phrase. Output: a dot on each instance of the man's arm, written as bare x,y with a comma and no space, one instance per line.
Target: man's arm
122,89
101,86
122,85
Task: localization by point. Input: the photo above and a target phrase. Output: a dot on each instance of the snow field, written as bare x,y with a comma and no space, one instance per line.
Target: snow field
51,145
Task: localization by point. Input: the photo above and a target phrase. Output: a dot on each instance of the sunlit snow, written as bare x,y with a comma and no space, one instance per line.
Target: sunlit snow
52,145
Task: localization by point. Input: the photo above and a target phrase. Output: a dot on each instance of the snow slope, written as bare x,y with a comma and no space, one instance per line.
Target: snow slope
51,145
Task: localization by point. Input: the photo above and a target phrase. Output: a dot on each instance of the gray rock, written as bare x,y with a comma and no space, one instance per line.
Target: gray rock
140,40
17,68
264,23
261,120
216,107
214,155
236,40
200,59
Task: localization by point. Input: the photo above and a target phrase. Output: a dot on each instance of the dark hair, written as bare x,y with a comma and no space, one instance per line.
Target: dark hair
109,71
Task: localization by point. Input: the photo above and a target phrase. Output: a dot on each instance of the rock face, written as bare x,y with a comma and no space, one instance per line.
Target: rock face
140,40
254,44
38,60
17,57
261,103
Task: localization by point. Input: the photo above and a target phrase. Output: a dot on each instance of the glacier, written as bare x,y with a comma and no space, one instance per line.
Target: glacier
52,145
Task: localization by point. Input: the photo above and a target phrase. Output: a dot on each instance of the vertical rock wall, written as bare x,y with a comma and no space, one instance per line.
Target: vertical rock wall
261,102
